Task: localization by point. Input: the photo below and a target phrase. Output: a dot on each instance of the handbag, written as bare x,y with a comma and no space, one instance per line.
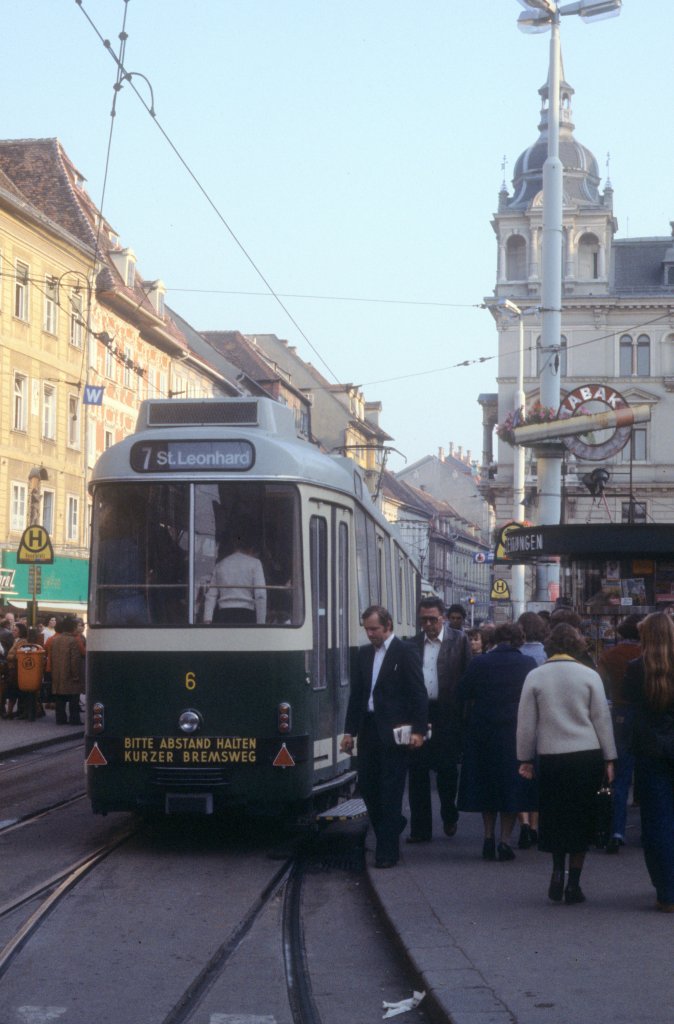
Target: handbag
603,803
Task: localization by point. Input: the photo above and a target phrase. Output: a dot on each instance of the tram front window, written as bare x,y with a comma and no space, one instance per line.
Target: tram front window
241,549
247,555
140,555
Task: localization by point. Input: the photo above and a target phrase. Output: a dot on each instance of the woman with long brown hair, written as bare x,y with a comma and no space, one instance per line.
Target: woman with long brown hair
649,685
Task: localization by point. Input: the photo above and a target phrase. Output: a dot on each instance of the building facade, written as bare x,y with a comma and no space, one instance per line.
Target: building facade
617,335
84,338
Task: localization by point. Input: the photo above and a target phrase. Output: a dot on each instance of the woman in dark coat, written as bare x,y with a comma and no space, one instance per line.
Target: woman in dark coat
490,691
649,686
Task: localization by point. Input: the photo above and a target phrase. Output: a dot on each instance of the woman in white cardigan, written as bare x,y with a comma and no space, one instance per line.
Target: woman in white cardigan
564,722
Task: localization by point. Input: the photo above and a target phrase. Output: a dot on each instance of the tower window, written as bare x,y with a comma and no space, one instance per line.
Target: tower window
588,258
635,356
516,258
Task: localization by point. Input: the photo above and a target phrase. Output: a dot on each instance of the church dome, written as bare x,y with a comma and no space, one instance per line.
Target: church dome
581,171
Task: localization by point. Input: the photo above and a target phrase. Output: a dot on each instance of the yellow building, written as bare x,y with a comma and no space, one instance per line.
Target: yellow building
83,339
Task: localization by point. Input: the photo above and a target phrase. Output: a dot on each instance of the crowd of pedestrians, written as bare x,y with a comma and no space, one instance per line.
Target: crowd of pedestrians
518,722
42,668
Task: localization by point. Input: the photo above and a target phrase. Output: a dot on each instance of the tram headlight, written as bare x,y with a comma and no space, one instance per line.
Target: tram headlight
284,718
190,721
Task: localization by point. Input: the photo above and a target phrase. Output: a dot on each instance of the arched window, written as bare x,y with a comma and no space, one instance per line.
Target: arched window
635,357
516,258
562,357
588,257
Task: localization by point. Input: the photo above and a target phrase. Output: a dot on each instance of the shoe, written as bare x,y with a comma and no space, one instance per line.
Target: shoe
664,908
505,852
614,844
489,849
385,863
418,839
450,829
574,894
556,889
525,841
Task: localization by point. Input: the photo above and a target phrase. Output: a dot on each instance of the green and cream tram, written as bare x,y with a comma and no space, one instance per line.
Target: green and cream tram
207,692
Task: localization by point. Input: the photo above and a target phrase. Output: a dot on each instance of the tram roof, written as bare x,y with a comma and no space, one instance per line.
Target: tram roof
266,424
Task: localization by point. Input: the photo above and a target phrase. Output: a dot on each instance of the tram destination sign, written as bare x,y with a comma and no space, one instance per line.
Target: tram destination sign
228,456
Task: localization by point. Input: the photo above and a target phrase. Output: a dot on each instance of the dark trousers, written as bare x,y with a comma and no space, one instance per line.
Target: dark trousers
656,803
73,700
382,769
439,755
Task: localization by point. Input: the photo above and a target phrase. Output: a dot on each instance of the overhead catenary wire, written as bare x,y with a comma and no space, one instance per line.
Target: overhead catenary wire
124,75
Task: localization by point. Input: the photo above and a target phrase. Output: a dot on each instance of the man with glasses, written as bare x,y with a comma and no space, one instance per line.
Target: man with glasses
445,653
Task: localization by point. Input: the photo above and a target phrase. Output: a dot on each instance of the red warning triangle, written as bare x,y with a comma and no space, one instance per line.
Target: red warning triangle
96,757
283,759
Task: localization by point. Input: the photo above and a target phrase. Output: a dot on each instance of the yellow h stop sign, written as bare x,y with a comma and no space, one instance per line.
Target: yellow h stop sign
500,591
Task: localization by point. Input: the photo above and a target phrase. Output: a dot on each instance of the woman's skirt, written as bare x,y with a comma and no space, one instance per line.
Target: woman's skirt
568,785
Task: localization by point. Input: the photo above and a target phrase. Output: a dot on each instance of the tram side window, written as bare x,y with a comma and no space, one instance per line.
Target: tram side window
400,593
343,603
361,562
389,575
319,600
140,555
247,556
373,564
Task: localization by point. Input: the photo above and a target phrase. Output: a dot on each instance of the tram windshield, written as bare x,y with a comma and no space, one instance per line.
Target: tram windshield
213,554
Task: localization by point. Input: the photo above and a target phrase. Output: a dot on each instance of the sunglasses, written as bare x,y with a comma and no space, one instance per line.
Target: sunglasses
431,618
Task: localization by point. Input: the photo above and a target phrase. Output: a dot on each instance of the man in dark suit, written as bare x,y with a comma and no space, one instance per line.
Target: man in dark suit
387,691
445,653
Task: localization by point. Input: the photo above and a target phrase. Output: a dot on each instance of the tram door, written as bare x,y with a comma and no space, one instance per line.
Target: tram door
330,558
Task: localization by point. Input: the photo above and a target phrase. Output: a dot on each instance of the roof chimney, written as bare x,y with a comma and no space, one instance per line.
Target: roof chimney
441,454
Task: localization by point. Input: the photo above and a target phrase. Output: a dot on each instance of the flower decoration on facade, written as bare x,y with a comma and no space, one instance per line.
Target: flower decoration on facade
535,413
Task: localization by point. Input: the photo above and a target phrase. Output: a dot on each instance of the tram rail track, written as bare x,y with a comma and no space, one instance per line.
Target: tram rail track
289,877
280,892
56,887
12,824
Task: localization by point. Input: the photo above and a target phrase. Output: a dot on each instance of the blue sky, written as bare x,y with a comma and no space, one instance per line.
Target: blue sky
354,148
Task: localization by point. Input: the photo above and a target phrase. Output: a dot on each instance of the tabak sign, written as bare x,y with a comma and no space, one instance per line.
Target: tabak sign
595,445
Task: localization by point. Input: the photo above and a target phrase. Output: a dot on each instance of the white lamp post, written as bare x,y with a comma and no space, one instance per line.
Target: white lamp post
517,572
539,16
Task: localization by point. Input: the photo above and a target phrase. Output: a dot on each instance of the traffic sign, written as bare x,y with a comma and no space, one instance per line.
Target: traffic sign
500,590
35,547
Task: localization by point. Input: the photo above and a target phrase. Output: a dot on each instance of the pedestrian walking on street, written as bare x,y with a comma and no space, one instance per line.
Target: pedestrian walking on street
612,666
564,718
445,654
387,691
490,691
66,672
649,685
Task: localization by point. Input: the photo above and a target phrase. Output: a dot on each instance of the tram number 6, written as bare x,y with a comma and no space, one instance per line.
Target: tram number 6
190,681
